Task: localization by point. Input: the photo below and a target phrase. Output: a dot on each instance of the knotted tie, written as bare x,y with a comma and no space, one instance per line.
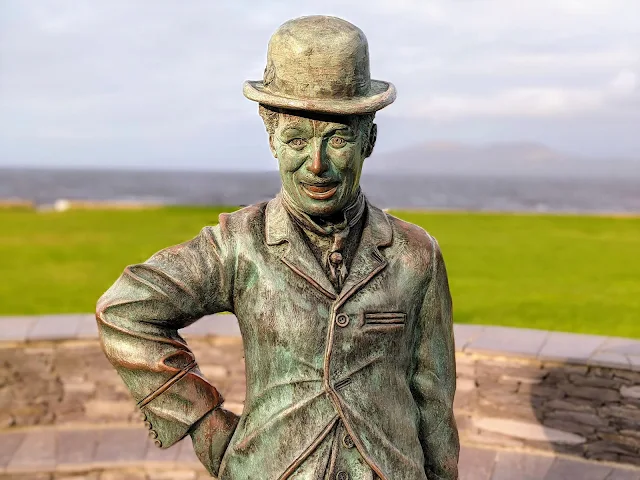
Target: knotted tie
352,214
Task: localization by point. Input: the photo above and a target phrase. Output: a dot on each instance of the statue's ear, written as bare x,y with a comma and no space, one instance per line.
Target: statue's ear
373,135
272,147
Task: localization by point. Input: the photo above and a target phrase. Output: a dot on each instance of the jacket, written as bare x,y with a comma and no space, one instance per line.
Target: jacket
378,355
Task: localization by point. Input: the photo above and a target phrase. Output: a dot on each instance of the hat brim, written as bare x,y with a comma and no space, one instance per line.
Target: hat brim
380,95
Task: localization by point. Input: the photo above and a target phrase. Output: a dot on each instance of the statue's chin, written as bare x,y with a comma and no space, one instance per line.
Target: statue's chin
319,208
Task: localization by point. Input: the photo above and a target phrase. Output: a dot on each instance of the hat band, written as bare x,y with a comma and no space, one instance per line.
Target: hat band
323,86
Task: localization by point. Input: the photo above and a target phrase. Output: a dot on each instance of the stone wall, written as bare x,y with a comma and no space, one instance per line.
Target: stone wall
71,382
581,410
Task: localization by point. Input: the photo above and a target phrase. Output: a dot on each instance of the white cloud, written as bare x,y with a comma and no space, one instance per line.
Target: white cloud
526,102
169,71
625,83
520,102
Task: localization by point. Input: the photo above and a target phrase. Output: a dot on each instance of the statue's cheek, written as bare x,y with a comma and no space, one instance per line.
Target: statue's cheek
347,159
289,159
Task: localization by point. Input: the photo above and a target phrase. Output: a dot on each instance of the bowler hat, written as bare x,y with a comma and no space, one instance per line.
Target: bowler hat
321,64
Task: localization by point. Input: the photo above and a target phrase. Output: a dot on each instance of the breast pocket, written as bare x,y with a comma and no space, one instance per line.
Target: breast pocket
383,320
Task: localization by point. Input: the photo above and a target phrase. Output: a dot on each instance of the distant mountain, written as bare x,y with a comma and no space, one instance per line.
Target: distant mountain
514,158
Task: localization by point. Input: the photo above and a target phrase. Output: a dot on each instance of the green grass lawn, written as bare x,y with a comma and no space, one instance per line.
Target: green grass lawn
568,273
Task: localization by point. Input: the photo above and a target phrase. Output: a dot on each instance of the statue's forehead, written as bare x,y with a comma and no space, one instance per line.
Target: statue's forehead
319,121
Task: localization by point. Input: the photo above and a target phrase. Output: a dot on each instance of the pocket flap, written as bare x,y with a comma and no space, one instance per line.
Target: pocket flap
384,318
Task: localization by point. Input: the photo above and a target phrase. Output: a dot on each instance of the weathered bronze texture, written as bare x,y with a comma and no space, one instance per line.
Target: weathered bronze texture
344,310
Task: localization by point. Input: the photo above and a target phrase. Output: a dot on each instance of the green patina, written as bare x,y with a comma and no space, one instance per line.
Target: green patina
345,310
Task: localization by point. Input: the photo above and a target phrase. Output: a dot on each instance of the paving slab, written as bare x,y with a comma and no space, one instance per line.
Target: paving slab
609,359
635,362
509,341
67,326
84,450
15,329
126,445
476,463
622,346
521,466
36,453
570,347
527,431
9,444
54,327
87,327
465,334
624,474
76,446
186,453
616,348
163,455
565,469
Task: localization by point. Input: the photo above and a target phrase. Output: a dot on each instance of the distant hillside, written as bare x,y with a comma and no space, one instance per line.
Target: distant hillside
498,159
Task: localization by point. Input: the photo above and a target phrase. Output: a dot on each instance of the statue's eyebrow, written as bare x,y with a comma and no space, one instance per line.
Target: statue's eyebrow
293,131
344,130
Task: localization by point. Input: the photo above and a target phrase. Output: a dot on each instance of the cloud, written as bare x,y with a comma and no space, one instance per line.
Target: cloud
625,83
159,76
528,102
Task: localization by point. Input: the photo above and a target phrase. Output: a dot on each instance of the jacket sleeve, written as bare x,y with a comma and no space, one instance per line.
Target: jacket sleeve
434,375
138,321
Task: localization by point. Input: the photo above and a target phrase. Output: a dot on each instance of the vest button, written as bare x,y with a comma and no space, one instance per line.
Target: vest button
157,443
342,476
153,434
347,441
342,320
147,424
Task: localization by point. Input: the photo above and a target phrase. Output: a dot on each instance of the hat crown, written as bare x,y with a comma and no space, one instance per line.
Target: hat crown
318,57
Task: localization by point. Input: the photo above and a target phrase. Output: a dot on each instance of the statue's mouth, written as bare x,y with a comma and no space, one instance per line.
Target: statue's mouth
320,192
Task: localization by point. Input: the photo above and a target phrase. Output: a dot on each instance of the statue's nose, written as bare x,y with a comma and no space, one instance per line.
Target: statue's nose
318,165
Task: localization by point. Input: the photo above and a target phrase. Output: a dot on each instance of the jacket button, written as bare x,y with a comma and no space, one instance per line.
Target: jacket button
347,441
342,476
342,320
157,443
147,424
153,434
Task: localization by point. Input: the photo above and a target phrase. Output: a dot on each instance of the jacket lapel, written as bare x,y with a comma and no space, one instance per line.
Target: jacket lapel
366,264
368,261
279,228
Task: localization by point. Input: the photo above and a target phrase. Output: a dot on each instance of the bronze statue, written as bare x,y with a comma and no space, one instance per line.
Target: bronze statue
344,310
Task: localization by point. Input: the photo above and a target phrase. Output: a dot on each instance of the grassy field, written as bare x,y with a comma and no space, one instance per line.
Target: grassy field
568,273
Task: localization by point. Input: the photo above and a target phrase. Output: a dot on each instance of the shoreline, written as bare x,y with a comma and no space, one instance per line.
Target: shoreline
62,205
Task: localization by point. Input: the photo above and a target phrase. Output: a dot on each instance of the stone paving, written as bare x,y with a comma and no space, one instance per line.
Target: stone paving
110,453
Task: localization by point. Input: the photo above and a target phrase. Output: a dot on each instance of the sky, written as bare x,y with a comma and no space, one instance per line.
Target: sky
158,84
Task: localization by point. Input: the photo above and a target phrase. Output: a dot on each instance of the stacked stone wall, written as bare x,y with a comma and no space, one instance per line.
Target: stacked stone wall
592,412
581,410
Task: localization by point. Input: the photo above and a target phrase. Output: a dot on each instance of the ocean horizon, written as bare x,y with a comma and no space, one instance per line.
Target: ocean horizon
421,191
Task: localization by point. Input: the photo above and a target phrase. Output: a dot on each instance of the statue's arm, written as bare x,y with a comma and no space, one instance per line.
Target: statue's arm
434,376
138,320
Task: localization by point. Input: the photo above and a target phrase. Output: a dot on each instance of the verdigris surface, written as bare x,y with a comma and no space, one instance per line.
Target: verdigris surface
344,310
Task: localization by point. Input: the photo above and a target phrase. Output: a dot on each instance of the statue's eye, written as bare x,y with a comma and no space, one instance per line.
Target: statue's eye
337,142
297,143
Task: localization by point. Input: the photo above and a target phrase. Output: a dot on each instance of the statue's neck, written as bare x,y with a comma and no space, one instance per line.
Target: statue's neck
347,217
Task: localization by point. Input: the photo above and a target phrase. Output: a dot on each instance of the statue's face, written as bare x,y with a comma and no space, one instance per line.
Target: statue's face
320,159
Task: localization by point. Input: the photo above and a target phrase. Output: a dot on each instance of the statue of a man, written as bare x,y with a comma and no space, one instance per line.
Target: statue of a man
344,310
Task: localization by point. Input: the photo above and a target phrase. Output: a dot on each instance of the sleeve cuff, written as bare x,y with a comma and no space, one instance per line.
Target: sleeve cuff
171,410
